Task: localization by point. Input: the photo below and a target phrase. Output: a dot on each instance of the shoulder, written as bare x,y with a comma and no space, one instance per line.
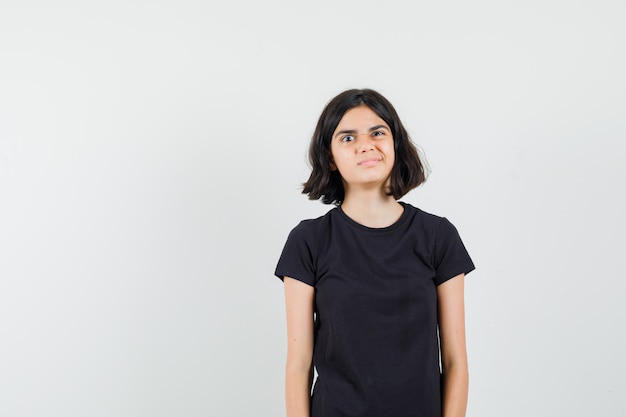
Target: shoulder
426,216
434,230
311,228
427,222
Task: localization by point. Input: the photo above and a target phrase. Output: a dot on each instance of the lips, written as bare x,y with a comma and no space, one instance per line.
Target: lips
368,162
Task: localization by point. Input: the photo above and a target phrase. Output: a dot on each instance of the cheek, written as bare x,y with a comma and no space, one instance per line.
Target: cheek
391,153
340,156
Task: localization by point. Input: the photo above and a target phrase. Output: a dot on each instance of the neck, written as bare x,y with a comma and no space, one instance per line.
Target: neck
374,210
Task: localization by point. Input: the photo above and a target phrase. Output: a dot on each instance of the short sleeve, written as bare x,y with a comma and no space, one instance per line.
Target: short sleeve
450,255
297,258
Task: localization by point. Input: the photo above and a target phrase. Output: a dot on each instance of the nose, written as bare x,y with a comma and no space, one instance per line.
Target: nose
366,144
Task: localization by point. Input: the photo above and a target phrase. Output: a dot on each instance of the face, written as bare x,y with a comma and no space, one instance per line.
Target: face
362,149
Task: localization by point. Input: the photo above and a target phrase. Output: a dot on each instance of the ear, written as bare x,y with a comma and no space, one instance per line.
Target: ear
331,162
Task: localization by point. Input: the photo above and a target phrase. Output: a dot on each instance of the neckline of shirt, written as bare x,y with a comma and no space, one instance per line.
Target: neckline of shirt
401,220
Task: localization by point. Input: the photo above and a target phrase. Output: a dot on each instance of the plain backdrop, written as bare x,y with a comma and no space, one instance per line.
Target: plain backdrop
151,157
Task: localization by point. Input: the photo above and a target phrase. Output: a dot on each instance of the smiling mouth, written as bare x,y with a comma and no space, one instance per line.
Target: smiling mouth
368,162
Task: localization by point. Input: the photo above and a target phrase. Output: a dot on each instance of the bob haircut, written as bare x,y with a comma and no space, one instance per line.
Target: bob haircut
326,184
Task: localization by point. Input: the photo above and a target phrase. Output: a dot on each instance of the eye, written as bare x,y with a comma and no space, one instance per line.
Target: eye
347,138
378,133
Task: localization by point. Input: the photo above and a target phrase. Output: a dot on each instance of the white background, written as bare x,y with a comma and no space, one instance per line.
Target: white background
151,156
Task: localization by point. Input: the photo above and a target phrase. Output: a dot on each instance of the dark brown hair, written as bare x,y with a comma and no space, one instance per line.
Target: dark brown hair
325,183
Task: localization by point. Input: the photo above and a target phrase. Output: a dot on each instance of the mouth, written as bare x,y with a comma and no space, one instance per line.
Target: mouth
368,162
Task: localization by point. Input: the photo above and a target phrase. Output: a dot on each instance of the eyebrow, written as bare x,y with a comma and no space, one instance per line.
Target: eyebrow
352,131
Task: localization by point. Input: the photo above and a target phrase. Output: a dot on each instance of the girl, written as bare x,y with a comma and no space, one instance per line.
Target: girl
373,289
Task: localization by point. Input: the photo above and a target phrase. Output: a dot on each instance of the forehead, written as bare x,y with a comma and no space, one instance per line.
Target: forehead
360,117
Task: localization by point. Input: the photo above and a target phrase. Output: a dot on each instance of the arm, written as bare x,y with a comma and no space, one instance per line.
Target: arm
453,351
299,370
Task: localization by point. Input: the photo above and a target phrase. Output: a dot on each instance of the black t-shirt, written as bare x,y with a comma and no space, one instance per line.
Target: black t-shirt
376,346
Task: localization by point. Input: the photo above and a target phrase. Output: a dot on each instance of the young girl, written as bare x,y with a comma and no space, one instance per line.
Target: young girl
374,288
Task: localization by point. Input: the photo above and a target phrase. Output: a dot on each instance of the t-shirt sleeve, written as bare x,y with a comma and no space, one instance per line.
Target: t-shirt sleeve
297,258
450,255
